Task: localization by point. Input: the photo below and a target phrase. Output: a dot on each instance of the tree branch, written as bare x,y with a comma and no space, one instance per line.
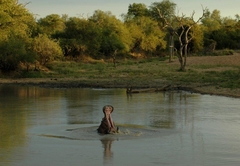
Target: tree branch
167,24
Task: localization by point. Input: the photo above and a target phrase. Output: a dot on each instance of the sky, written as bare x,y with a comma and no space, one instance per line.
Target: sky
85,8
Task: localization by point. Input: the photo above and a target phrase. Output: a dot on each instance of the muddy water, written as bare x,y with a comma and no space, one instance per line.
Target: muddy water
44,127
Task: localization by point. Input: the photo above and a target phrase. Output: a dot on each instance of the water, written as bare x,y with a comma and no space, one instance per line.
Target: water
41,127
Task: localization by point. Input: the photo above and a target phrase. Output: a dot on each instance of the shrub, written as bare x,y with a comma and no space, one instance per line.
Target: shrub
13,51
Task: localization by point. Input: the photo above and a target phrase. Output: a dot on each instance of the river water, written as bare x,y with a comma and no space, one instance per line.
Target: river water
46,127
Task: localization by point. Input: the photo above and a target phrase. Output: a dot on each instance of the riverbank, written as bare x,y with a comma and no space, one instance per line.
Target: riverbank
214,75
123,83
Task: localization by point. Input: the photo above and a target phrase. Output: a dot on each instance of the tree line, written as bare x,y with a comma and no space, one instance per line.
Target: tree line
143,31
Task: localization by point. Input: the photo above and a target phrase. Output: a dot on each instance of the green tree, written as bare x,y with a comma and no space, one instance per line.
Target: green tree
220,32
197,42
135,11
166,9
13,51
146,34
15,18
80,37
115,36
51,24
212,21
46,49
16,27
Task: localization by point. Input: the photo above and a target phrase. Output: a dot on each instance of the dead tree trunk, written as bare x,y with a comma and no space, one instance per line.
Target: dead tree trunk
171,43
171,48
181,56
114,58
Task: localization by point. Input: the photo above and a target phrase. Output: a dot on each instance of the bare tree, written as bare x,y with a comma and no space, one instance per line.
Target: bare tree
182,31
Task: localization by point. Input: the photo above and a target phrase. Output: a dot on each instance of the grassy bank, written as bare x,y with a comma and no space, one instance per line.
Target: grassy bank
217,71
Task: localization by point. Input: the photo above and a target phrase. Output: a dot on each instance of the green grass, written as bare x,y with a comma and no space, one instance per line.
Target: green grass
135,71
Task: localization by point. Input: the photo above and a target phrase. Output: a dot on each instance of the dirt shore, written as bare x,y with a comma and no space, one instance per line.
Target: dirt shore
121,83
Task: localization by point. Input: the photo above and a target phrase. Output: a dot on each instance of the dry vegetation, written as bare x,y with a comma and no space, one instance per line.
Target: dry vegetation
219,62
231,60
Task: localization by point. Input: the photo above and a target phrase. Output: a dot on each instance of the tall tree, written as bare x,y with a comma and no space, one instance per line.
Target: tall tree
115,35
15,18
51,24
212,21
146,34
80,37
167,9
136,10
220,32
16,27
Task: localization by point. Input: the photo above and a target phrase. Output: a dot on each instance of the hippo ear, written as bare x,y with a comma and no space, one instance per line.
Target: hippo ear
112,109
104,109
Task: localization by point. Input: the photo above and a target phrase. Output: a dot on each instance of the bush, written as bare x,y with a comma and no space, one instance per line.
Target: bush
13,51
46,49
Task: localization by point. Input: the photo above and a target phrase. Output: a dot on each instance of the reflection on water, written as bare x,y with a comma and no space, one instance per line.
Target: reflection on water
107,145
12,124
177,128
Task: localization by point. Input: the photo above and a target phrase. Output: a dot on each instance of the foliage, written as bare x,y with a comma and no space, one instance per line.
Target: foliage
167,9
224,31
136,10
146,34
13,51
16,27
212,21
15,18
46,49
115,36
80,37
100,35
51,24
103,35
198,40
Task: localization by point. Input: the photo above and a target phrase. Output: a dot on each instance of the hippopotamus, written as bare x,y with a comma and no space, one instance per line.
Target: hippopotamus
107,125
